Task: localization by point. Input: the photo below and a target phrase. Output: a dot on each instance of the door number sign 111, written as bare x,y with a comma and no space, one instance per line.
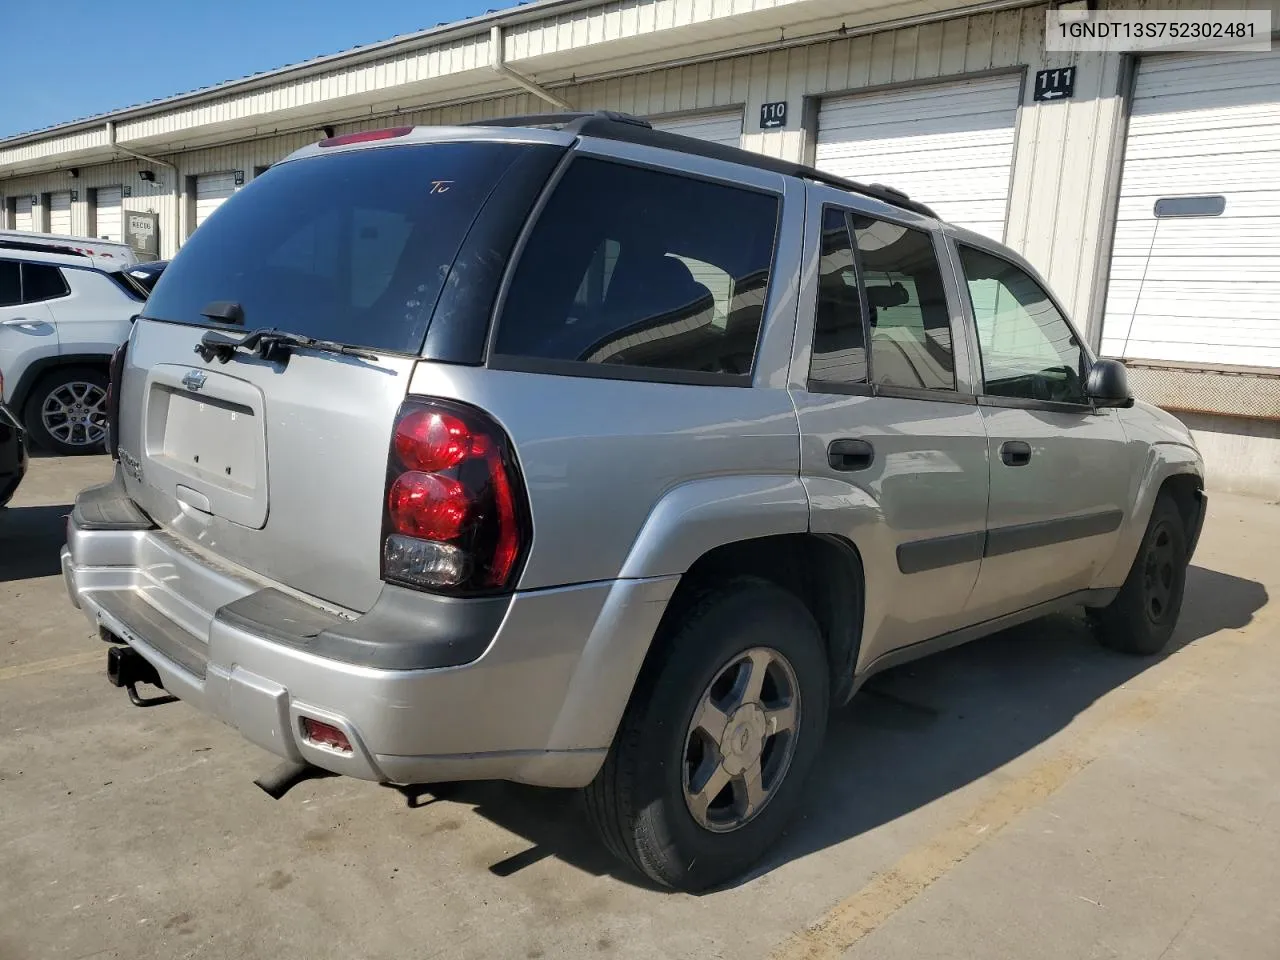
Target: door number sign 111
1059,84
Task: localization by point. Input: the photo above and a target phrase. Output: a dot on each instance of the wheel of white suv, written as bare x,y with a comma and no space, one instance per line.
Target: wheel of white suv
709,763
66,411
1142,617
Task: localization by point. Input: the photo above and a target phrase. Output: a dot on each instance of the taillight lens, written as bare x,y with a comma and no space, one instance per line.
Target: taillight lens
114,374
455,515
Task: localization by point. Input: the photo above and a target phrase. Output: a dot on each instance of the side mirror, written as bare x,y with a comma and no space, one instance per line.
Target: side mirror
1108,384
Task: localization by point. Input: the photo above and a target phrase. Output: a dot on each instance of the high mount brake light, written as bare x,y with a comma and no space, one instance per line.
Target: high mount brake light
455,514
365,136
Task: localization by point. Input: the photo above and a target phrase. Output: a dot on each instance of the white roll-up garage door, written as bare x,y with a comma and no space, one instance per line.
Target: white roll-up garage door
725,127
949,145
106,206
22,214
211,190
60,213
1199,279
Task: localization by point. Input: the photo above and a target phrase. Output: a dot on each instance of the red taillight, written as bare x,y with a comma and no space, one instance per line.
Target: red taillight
364,136
431,440
455,514
428,506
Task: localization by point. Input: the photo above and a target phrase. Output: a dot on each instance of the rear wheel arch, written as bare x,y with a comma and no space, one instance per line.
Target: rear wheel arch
45,365
824,572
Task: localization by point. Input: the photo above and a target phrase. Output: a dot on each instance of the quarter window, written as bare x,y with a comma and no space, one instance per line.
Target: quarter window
907,306
1028,349
42,282
839,344
10,284
635,268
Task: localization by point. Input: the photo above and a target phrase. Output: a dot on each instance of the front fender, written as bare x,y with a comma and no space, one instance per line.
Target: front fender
1164,460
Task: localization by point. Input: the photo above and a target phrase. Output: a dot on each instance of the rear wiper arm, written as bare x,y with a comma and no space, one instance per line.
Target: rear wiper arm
271,345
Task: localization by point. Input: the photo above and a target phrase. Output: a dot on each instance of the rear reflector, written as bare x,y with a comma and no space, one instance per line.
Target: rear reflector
364,136
325,735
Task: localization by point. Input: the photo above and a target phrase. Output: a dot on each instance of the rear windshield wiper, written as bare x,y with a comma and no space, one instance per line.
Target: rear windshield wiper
271,345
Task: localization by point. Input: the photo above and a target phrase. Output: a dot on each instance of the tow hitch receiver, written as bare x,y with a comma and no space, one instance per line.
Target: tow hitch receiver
127,668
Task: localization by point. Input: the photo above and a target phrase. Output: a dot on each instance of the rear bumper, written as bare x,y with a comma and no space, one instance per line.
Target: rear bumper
539,705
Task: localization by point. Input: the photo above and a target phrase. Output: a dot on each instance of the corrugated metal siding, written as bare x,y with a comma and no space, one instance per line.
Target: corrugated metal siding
724,127
949,145
1203,289
60,213
385,74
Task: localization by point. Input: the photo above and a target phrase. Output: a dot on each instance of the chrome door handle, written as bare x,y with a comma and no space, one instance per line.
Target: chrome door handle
19,322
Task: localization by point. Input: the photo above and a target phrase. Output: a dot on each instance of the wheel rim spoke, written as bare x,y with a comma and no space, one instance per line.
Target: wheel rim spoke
749,794
780,719
710,719
754,670
709,787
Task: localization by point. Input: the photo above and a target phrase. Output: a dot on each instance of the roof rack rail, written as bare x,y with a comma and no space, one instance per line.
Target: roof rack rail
611,125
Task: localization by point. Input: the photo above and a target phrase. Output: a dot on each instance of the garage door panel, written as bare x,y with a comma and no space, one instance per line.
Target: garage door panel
108,224
212,189
1203,290
948,145
60,213
23,218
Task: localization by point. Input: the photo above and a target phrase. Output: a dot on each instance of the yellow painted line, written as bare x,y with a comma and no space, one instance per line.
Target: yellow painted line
55,663
862,912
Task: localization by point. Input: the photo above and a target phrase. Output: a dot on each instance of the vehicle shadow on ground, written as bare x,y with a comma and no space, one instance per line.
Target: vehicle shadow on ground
31,539
912,735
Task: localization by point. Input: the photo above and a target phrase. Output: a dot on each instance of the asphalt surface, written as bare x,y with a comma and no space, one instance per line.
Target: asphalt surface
1029,795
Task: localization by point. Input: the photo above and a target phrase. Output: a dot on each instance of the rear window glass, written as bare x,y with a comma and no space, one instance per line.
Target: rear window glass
353,247
641,269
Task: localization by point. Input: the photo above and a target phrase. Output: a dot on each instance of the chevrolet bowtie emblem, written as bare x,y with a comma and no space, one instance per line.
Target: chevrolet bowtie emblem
194,380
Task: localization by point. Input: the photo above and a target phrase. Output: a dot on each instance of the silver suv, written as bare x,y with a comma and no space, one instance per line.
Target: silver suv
569,452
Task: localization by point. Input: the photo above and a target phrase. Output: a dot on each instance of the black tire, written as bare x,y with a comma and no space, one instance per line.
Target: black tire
637,801
1142,617
79,437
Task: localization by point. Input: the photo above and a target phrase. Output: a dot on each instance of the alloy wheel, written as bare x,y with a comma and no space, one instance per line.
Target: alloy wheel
74,413
741,739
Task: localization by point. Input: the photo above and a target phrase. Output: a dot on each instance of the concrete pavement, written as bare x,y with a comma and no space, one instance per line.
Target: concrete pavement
1030,795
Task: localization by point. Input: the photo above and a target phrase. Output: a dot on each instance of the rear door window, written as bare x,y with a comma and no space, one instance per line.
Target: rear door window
652,271
354,247
906,305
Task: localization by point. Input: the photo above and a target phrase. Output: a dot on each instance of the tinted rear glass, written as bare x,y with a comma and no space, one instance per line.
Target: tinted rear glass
353,247
643,269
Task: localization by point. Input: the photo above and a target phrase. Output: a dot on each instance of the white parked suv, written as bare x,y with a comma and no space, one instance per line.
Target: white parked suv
63,312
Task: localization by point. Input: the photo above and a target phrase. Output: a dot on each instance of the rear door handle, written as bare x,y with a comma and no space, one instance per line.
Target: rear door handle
1015,453
847,455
